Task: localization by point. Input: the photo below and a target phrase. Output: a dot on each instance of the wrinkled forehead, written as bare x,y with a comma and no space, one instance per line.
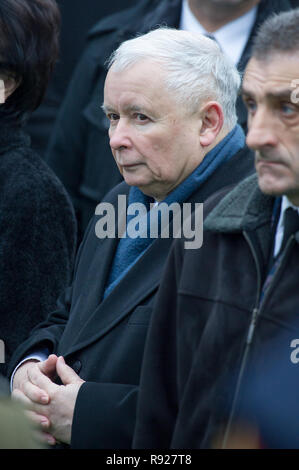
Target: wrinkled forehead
277,74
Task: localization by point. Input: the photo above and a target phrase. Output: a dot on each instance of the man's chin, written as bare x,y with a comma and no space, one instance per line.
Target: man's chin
131,180
271,187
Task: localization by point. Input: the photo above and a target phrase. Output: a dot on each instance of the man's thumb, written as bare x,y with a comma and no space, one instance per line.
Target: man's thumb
66,373
48,367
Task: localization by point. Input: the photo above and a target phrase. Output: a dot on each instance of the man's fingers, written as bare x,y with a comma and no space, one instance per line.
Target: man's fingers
44,438
19,396
48,367
39,420
66,373
35,393
49,439
36,377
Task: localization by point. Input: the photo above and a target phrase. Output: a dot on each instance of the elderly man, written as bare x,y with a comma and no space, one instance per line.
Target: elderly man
240,289
79,150
170,100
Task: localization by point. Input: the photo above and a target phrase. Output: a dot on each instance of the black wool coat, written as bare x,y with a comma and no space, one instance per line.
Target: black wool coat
79,151
103,340
211,325
37,239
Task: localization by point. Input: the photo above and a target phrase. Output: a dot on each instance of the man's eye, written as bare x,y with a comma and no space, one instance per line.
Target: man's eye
287,109
250,105
112,117
140,117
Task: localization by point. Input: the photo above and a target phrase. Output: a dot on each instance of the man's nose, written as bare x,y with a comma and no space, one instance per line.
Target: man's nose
261,131
119,135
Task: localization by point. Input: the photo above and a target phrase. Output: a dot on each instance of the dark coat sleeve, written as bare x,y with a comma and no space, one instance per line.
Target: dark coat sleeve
37,246
100,409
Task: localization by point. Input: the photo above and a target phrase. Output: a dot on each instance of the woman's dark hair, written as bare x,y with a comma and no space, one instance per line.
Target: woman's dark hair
29,47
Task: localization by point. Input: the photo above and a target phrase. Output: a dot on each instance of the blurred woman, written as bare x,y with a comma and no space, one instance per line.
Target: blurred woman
37,223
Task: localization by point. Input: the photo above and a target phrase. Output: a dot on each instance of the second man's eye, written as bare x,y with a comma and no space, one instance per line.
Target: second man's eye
288,109
250,105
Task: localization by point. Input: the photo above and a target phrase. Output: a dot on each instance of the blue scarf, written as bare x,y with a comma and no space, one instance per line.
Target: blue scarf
129,250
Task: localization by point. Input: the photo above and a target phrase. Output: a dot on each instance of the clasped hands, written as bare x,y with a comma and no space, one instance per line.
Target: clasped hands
48,405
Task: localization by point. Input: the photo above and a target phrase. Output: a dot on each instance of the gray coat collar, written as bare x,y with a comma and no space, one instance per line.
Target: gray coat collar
244,208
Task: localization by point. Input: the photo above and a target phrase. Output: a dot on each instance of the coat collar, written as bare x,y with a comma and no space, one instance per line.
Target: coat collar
244,208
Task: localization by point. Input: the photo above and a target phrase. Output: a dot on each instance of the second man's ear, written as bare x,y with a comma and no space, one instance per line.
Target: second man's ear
212,122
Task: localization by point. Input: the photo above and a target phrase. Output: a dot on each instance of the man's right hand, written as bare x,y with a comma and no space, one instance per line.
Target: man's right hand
47,367
22,387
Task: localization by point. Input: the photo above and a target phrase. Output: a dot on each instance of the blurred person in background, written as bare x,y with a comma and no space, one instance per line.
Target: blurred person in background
16,430
79,151
37,222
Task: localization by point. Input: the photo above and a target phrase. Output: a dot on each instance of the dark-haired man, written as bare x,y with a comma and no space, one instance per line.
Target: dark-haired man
240,289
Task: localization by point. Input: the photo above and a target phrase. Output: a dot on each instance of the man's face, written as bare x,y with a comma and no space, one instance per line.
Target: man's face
273,122
155,143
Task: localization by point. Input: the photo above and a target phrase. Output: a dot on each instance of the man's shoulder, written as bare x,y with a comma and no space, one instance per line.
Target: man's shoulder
111,198
121,189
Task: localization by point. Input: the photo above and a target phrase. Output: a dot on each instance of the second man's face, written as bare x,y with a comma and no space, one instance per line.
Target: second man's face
273,122
155,143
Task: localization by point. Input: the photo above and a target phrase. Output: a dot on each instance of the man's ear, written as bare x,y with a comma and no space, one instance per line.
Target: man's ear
7,86
212,122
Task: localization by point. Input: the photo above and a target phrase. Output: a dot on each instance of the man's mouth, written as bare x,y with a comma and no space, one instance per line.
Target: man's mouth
268,160
128,166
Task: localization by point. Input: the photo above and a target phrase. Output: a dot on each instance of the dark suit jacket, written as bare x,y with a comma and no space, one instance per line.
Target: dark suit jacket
79,150
103,341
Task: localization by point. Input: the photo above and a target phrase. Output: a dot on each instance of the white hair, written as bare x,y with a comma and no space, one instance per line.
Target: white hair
197,70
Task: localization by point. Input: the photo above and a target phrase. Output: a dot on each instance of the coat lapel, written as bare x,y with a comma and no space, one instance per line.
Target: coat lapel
142,279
